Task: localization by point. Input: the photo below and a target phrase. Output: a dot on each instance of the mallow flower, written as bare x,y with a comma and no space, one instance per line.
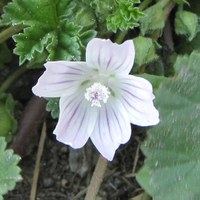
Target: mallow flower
98,98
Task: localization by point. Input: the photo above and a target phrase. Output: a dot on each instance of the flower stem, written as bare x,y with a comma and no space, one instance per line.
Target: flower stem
9,32
97,178
120,37
6,84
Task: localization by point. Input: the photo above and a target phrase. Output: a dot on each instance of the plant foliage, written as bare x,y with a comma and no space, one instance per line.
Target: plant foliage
172,148
46,28
118,14
9,171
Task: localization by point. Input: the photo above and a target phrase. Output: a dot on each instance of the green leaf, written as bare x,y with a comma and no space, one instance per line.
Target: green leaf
53,107
125,16
145,50
172,147
144,178
8,123
186,23
5,54
116,15
46,29
182,2
9,171
85,16
154,17
153,79
86,36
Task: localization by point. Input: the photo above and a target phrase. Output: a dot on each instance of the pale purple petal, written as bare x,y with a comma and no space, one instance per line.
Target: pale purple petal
112,128
136,94
60,78
76,121
111,56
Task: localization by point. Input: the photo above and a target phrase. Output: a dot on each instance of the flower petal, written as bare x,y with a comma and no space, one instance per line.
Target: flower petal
136,94
114,57
60,78
112,128
76,121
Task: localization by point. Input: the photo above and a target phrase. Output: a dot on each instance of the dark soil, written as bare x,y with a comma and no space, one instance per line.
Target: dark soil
65,173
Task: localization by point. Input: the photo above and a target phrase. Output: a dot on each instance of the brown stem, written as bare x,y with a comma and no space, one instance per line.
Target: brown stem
97,178
37,164
33,115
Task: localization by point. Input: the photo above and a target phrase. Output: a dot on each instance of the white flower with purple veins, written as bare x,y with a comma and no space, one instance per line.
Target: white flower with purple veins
98,98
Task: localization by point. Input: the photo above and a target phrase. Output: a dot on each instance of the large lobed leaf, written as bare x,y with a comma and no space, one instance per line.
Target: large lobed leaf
46,28
9,171
172,149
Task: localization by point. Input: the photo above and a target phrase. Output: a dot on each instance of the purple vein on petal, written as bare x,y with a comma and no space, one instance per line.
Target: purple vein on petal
75,111
118,121
77,69
131,105
108,124
61,82
110,59
136,97
99,127
80,125
70,67
119,66
135,86
99,59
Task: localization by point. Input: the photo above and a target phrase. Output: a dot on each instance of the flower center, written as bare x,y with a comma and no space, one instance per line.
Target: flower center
97,93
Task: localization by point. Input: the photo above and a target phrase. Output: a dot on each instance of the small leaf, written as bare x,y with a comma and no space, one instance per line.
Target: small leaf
154,17
186,23
117,15
86,36
8,123
145,51
124,16
172,147
53,107
9,171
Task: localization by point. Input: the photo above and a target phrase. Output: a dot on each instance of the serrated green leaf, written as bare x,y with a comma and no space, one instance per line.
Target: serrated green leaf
9,171
31,42
145,50
47,29
124,16
186,23
116,15
172,148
